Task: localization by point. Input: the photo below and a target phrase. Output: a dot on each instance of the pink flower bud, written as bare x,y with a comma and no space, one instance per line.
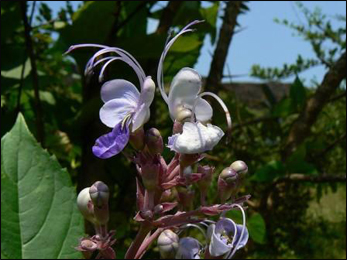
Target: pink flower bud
85,205
227,183
240,167
154,141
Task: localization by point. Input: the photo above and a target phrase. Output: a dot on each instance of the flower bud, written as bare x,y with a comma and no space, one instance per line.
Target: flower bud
240,167
154,141
229,175
99,194
137,139
150,175
85,205
227,183
168,244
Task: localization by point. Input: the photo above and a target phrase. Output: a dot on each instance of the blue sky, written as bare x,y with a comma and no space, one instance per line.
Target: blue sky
262,41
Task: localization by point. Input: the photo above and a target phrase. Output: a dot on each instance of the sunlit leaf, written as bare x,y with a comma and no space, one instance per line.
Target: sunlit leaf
39,217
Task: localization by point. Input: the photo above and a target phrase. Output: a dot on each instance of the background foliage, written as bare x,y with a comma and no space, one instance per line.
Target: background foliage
296,219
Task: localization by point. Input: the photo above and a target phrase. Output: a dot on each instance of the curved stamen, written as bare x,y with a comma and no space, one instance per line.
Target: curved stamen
102,71
160,73
231,254
195,226
127,58
225,108
88,68
77,46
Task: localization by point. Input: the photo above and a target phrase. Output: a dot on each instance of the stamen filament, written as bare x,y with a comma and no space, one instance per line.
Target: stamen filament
231,254
160,73
225,108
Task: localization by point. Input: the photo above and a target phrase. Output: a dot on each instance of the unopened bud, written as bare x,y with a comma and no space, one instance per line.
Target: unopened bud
99,194
227,184
137,139
229,175
240,167
168,244
85,205
154,141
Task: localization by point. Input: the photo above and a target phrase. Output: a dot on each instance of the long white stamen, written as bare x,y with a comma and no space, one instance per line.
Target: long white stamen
102,71
126,57
231,254
88,45
225,108
160,73
88,68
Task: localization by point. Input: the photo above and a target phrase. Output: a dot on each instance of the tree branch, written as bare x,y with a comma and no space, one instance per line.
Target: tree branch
332,145
232,11
30,50
333,99
301,128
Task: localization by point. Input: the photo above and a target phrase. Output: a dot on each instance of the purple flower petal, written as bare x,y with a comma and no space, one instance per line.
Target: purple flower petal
188,248
112,143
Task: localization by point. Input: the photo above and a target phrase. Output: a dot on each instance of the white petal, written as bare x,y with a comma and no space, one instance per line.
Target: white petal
147,93
203,110
195,138
184,90
141,117
119,88
114,111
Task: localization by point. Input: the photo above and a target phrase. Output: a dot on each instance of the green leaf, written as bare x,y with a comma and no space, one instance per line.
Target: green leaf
15,73
257,228
269,172
39,217
297,93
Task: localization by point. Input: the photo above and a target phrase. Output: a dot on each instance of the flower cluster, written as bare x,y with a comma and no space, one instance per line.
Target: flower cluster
164,195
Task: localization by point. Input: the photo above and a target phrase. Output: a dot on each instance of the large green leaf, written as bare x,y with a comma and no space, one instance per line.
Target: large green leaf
257,228
269,172
39,217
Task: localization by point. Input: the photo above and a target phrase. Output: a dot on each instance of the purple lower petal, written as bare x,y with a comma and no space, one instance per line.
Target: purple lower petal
112,143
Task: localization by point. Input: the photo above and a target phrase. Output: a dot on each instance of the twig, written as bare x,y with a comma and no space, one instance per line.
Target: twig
332,145
30,49
300,130
21,82
232,10
333,99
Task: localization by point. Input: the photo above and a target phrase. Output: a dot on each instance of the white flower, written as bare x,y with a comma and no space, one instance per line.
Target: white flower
195,138
185,102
